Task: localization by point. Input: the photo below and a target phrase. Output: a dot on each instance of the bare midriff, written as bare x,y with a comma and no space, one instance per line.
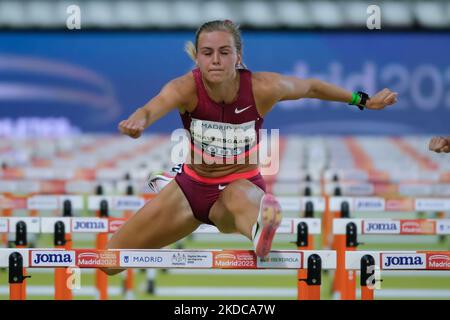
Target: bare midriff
216,170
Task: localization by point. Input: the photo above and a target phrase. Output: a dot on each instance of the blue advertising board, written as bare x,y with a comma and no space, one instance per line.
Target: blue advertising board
97,79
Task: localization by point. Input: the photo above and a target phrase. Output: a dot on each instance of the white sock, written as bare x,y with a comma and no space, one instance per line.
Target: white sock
256,232
257,227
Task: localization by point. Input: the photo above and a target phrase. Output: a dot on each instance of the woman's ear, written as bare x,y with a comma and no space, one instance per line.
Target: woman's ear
239,61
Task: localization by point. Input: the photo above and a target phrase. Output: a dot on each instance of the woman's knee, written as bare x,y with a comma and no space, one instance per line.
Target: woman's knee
241,194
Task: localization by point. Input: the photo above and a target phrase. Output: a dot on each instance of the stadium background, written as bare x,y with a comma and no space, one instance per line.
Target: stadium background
56,82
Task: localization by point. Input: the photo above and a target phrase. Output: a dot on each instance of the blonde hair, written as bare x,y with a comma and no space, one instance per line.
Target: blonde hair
216,25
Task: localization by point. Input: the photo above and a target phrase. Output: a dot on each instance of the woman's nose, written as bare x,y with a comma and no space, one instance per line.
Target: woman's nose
216,58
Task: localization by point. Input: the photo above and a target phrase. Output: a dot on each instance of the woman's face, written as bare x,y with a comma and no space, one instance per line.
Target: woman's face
217,56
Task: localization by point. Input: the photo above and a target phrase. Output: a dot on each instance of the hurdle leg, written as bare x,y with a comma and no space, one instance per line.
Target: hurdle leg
151,276
326,224
367,280
101,277
129,274
16,277
349,282
314,292
302,287
68,295
367,293
60,283
16,291
314,277
6,213
305,241
20,238
62,290
340,274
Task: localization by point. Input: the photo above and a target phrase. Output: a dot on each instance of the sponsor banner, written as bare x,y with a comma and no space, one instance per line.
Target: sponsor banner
340,225
28,186
432,204
421,79
76,202
97,259
52,186
403,261
414,189
94,202
369,204
359,189
8,186
378,176
399,205
290,204
52,258
336,202
115,223
80,187
380,227
85,174
3,225
13,202
128,203
318,203
418,226
385,188
290,225
12,173
110,174
441,189
438,261
166,259
42,203
234,260
144,259
358,175
64,173
281,260
192,259
287,226
443,226
90,225
33,224
39,173
48,224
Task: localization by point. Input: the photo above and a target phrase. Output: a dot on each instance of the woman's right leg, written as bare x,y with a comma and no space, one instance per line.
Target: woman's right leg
162,221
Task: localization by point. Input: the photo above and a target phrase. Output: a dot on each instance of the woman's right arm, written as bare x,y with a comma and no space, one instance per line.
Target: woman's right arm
176,93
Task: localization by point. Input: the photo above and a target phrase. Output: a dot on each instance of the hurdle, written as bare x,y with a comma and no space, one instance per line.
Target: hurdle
61,226
372,263
342,206
347,231
313,261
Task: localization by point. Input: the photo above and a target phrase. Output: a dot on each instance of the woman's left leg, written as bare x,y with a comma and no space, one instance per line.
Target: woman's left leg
244,207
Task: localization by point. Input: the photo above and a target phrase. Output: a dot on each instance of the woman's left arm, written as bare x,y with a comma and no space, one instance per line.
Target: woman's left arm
292,88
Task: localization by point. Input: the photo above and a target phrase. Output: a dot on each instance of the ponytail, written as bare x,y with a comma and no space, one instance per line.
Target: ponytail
190,49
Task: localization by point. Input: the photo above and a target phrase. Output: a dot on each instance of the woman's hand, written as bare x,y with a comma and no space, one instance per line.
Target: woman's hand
382,99
439,144
132,128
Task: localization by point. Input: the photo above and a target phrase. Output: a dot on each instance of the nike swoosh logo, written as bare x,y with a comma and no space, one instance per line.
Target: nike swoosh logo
241,110
221,187
256,231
